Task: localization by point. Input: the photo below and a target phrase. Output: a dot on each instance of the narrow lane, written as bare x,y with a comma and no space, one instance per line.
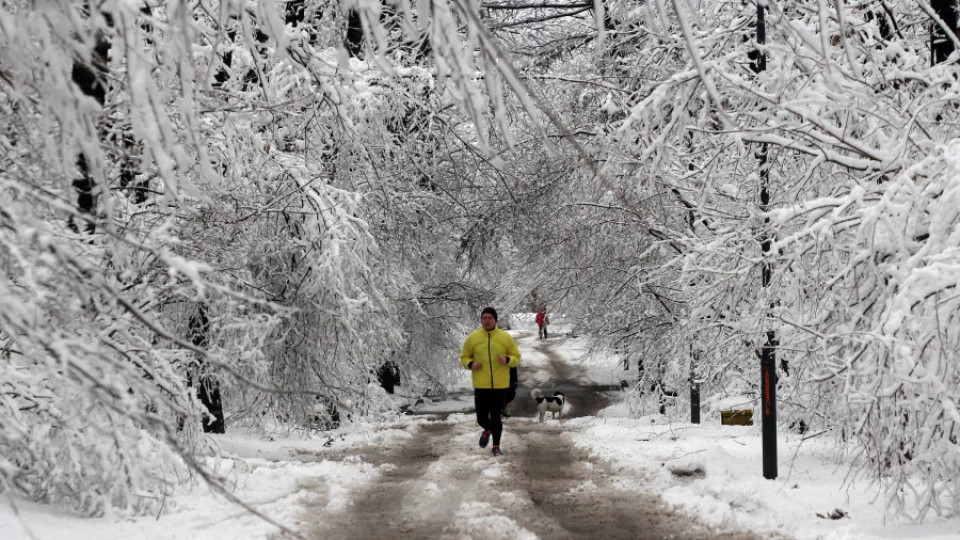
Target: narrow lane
440,485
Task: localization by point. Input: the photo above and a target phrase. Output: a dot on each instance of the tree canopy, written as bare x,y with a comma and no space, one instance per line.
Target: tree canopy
254,205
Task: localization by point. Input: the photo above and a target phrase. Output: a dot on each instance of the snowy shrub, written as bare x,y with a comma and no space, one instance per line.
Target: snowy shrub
160,260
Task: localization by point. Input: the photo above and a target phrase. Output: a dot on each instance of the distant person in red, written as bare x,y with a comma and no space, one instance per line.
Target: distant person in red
542,322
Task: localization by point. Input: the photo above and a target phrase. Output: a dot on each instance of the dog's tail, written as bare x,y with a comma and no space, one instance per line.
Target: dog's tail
536,393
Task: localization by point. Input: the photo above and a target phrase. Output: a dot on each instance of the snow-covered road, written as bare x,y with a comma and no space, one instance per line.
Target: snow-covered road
605,471
440,484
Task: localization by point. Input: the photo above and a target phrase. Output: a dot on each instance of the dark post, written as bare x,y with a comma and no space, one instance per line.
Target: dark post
694,389
768,373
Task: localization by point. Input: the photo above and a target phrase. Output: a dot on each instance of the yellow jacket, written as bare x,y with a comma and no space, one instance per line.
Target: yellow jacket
485,347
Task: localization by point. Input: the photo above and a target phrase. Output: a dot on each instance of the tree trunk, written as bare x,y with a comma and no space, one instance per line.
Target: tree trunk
941,44
208,388
91,81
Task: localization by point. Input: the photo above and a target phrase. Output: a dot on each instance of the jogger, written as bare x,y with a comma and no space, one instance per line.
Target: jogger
489,352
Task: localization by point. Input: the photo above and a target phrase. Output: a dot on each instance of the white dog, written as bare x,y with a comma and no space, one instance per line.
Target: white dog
553,404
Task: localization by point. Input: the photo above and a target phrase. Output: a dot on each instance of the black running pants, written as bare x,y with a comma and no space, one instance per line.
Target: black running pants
489,404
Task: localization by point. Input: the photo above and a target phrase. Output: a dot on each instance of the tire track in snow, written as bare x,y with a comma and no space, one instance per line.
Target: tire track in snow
561,492
422,485
572,495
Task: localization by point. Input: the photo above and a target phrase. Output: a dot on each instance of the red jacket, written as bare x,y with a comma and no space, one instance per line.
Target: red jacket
542,318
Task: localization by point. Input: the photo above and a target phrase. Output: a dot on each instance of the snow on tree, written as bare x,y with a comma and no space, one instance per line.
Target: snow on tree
221,260
661,252
264,202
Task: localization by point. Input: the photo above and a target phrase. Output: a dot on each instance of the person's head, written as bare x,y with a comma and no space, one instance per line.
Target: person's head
488,318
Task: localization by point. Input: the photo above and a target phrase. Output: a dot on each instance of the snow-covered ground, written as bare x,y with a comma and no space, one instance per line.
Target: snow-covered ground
708,471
